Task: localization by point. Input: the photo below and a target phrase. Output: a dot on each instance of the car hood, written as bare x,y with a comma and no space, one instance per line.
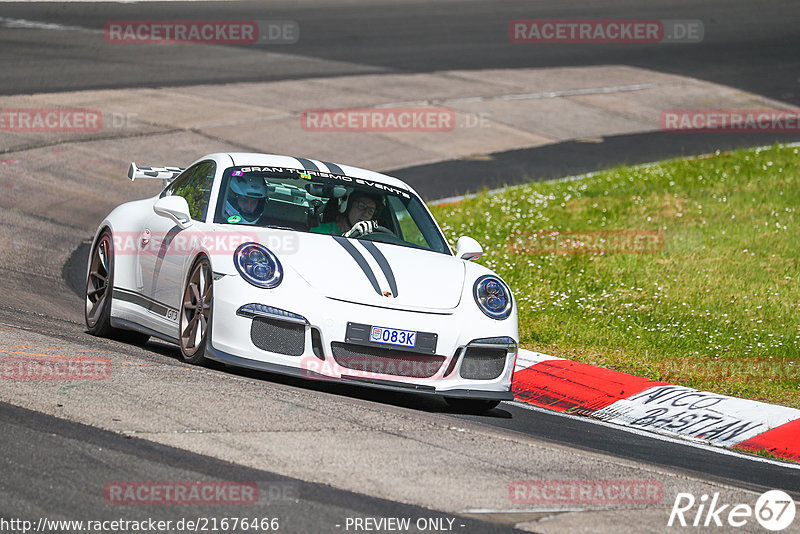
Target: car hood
377,274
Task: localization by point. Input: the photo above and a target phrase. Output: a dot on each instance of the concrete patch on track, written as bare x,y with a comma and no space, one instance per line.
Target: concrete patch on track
494,110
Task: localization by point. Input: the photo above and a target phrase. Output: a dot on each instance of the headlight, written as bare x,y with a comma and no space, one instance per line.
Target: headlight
258,265
493,297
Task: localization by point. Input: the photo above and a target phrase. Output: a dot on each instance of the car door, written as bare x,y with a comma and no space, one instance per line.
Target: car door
166,248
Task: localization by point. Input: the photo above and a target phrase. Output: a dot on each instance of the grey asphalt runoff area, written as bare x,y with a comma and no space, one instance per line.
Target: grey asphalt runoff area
67,469
321,453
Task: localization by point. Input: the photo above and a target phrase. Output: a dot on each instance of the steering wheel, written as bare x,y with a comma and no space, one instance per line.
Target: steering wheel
382,230
383,235
376,230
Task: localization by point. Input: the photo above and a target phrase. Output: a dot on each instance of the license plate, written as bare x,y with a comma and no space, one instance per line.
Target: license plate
393,336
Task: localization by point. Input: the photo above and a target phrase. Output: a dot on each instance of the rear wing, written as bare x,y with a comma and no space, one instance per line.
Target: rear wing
165,174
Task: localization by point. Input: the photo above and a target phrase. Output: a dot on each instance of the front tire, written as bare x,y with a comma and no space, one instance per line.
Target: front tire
195,318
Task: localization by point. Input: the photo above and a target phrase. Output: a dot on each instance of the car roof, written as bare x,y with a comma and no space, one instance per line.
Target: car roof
275,160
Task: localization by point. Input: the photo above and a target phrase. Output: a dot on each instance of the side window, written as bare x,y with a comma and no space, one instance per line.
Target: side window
409,229
195,186
177,182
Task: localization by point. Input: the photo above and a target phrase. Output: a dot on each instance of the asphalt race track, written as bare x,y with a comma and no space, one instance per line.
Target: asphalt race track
746,46
323,454
50,485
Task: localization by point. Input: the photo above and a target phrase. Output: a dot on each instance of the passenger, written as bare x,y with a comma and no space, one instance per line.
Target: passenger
355,221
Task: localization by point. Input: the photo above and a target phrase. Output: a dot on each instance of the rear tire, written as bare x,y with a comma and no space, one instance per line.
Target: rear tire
99,292
471,405
99,287
195,318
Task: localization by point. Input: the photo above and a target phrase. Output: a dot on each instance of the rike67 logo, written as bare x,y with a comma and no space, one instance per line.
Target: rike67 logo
774,510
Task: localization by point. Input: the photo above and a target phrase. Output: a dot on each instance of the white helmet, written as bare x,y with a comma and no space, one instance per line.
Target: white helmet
249,186
246,187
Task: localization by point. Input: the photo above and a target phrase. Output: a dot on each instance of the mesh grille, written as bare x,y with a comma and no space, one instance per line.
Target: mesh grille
386,361
278,336
483,364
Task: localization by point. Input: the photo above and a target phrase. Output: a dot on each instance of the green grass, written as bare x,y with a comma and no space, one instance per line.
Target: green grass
765,453
723,289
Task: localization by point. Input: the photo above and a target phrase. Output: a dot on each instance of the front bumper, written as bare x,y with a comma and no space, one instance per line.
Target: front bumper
389,385
320,325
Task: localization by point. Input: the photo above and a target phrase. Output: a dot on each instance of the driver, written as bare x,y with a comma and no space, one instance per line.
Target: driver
246,199
356,221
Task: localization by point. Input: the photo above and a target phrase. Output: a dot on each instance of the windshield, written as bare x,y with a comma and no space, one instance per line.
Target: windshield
322,203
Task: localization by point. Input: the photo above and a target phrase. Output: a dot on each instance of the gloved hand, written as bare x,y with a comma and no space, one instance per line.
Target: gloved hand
361,228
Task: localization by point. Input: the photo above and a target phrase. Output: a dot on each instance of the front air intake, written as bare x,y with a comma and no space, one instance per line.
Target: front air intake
386,361
278,336
483,363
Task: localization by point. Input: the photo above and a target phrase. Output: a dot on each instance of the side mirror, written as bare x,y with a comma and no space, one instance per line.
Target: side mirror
174,207
468,249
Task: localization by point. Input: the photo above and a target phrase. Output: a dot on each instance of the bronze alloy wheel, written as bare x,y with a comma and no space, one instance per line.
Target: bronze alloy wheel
99,285
99,292
196,312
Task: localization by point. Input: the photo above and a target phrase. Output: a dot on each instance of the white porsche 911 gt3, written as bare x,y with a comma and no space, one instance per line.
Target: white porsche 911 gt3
307,268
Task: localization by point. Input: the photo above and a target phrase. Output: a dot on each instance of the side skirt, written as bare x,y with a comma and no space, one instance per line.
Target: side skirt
130,325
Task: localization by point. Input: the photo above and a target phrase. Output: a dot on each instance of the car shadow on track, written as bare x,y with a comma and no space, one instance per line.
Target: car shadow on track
413,401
